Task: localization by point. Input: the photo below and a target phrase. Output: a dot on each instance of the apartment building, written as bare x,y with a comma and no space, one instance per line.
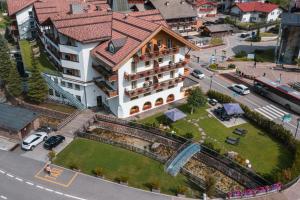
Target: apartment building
128,63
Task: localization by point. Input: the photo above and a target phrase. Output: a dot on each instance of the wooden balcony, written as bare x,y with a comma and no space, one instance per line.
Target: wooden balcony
155,70
156,86
108,75
110,92
155,54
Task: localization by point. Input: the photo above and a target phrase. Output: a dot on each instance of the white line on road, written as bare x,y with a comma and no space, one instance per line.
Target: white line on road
3,197
56,192
29,183
2,172
74,197
19,179
49,190
10,175
38,186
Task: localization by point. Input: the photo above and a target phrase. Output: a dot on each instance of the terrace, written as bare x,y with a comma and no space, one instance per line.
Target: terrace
108,75
155,53
156,86
110,92
155,70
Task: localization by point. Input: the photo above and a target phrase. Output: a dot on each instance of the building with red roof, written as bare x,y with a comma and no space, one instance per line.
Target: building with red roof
256,11
126,62
205,8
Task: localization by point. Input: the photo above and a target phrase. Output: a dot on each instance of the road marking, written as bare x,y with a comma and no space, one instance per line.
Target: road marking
10,175
29,183
270,112
3,197
279,110
56,192
19,179
74,197
2,172
38,186
263,114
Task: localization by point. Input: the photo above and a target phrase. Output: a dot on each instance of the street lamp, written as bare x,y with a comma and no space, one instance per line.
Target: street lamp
211,79
298,123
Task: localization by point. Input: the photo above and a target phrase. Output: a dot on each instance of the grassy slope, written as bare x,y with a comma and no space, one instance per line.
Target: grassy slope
265,154
118,162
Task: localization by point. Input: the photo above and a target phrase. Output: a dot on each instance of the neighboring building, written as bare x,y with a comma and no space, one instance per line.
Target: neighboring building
288,46
128,63
180,16
218,30
256,12
205,8
17,122
227,4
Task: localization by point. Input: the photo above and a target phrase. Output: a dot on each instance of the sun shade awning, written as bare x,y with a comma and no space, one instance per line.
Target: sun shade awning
233,108
175,114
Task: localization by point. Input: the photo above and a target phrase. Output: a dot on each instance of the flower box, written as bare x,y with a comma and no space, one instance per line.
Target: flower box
142,57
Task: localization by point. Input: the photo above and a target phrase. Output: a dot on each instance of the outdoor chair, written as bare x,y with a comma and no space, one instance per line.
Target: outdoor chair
240,131
232,141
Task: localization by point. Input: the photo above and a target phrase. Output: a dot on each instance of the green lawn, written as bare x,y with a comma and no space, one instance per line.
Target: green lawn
59,107
267,34
265,154
119,162
267,55
43,63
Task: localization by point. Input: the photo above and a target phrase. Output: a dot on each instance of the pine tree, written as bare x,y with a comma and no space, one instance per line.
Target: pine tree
5,62
14,82
37,87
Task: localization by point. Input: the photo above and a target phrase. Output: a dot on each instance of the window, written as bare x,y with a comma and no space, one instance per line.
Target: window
169,43
111,48
171,86
77,87
63,83
32,24
133,67
70,85
30,14
147,78
159,90
160,60
159,43
133,84
71,72
57,94
70,57
160,75
78,97
51,92
149,45
147,94
172,74
147,63
55,80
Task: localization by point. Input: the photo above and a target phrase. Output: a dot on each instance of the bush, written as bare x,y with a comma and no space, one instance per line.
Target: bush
51,155
74,166
213,66
181,189
216,41
231,66
121,179
241,54
98,171
210,186
210,145
189,135
154,185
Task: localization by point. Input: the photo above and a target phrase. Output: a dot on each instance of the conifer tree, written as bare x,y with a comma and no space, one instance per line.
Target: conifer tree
14,82
5,62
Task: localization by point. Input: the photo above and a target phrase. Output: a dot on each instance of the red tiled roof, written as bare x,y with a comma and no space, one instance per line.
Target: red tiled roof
256,7
86,27
205,2
14,6
150,15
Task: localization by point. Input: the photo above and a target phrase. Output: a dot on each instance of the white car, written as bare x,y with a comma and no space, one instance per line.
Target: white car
33,140
241,89
198,74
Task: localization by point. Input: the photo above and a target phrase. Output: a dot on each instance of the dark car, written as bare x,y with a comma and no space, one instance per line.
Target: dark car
53,141
212,102
244,35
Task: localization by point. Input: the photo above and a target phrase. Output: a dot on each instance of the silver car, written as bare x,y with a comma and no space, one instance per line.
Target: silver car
33,140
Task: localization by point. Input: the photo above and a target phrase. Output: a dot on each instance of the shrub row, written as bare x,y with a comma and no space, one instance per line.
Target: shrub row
276,131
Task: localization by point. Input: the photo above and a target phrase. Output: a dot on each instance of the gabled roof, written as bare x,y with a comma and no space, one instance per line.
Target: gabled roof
174,9
86,27
15,118
138,33
150,15
219,28
14,6
256,7
205,2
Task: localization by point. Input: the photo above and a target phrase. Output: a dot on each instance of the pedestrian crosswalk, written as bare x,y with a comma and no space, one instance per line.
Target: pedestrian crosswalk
271,112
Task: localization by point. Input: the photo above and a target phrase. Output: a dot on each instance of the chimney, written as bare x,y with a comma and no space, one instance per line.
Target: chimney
182,2
76,8
167,3
125,16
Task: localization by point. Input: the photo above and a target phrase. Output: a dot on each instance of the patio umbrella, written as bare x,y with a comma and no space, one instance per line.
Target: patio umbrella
175,114
233,109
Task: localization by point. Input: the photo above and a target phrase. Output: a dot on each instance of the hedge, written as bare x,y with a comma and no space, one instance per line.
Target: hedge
276,131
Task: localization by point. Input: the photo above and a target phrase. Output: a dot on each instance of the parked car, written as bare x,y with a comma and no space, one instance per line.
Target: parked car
241,89
212,102
33,140
198,74
244,35
53,141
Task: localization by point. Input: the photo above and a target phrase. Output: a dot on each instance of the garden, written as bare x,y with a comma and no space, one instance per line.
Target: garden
122,165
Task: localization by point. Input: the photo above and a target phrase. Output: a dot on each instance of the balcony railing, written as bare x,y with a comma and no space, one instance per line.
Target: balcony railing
109,76
154,54
52,38
110,92
156,86
155,70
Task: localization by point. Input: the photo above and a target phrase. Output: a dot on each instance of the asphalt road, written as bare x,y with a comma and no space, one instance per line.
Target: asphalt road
22,178
254,101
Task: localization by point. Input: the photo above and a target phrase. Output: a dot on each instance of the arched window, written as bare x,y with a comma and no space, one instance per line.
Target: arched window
134,109
147,105
170,98
159,101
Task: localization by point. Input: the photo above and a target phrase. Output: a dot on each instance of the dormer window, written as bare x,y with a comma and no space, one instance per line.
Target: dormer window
111,47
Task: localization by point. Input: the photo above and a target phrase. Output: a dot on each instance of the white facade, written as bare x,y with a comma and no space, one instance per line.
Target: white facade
25,22
256,16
